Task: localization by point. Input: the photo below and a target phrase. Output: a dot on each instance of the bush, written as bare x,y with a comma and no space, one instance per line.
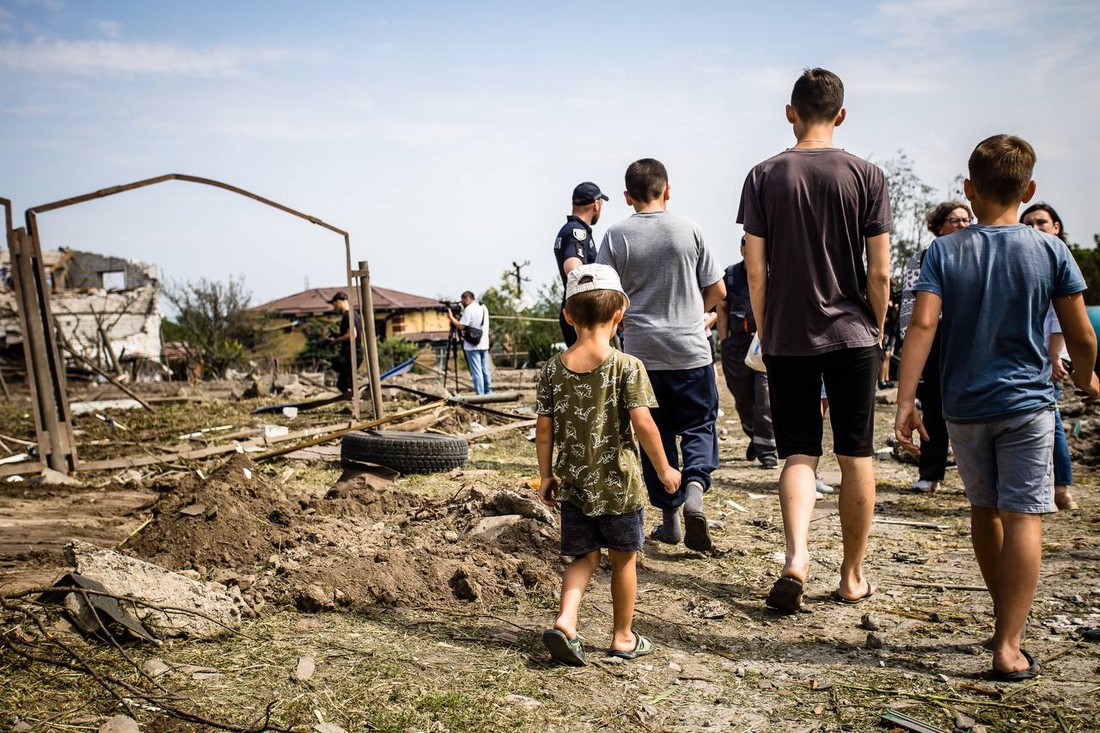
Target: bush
393,351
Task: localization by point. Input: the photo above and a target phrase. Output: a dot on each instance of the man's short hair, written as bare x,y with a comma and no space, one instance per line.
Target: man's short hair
1001,167
470,295
935,218
593,307
646,180
818,96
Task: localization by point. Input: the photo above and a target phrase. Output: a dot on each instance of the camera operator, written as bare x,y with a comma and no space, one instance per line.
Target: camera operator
345,337
475,316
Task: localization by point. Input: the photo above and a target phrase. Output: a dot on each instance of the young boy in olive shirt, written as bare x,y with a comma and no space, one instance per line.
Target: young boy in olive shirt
591,401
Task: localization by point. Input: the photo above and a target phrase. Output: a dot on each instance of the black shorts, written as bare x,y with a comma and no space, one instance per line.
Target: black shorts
850,377
582,534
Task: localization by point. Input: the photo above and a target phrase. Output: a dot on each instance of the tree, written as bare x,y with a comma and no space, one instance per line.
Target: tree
910,200
1088,259
519,332
213,324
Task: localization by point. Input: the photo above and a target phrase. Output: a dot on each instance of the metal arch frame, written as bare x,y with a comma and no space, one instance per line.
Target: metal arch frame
61,448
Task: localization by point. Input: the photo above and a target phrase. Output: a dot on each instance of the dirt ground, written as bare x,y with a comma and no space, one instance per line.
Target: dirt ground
421,616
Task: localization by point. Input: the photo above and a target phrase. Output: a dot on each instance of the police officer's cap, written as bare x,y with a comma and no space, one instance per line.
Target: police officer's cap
587,193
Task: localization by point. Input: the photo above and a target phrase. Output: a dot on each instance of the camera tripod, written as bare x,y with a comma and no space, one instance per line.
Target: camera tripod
454,339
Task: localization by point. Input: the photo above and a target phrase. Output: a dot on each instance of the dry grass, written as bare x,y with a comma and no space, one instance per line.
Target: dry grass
442,669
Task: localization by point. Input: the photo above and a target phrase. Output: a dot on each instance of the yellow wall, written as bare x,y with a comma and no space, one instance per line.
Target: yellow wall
417,322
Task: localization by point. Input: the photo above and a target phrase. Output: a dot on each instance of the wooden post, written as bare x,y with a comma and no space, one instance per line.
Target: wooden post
353,352
45,370
366,303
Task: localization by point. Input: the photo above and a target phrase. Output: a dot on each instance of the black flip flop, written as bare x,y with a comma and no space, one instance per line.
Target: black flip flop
786,595
1020,675
835,595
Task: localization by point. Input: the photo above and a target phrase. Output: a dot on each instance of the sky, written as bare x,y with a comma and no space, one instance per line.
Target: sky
446,137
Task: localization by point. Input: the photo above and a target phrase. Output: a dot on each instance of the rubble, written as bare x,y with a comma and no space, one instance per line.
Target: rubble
201,609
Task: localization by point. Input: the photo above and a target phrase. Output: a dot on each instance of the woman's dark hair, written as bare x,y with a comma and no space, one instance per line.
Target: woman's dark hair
1042,206
935,218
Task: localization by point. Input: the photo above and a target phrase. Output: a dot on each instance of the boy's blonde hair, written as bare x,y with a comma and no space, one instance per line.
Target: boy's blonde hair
593,307
1001,168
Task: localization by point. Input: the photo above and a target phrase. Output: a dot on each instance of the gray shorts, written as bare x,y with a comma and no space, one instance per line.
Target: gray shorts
1007,464
582,534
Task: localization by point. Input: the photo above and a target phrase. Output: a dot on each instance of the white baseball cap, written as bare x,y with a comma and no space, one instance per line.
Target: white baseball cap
583,278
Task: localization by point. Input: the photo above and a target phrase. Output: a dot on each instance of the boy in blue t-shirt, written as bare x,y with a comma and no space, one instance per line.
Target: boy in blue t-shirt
994,282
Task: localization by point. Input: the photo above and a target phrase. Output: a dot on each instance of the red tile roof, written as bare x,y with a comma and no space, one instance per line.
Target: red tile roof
316,301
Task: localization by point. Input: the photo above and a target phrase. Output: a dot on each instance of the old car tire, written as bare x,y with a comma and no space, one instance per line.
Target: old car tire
405,452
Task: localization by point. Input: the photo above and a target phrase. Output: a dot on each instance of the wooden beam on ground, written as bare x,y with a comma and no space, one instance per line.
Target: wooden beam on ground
331,432
484,399
360,426
18,469
499,429
907,523
453,401
168,457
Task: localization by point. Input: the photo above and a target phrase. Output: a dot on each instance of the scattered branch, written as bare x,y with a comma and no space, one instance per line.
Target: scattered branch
122,691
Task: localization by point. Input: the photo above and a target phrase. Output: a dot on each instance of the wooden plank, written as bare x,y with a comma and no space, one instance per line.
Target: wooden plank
17,469
360,426
499,429
330,432
149,460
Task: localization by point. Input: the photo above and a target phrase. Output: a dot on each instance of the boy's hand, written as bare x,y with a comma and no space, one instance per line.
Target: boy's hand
671,480
907,421
1089,391
548,491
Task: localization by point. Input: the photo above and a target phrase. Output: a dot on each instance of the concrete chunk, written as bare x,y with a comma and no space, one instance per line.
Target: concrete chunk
125,576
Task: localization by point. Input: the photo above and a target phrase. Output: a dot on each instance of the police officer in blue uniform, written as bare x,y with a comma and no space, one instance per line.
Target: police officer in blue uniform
574,245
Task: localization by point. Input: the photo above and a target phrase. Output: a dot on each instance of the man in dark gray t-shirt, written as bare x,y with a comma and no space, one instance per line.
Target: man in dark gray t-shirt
812,216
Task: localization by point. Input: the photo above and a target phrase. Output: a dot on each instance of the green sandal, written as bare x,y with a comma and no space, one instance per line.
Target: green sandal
563,649
642,646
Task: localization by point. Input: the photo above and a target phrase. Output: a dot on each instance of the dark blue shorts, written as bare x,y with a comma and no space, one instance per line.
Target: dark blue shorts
582,534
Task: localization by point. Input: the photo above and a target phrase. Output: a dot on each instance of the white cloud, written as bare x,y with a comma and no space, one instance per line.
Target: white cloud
922,23
54,6
108,28
106,57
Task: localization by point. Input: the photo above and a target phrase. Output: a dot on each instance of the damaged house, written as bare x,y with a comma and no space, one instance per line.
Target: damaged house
107,311
415,318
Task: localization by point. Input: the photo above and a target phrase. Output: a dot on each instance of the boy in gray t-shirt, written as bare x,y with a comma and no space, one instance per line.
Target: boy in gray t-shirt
994,282
672,279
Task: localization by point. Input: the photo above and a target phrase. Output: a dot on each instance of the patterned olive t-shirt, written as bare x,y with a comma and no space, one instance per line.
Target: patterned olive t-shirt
596,457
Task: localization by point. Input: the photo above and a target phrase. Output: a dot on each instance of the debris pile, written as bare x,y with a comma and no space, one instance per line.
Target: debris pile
358,543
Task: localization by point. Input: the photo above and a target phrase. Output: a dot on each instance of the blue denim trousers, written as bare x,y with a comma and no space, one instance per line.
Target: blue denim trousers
1063,468
478,362
688,400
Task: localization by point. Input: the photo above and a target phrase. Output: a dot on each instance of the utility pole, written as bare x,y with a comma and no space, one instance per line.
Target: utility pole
519,278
